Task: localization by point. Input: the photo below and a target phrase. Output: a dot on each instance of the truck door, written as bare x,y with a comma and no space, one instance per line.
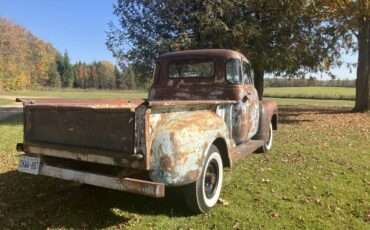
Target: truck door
245,113
251,102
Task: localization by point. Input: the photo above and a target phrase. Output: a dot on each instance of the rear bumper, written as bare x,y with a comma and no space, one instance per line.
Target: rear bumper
99,156
132,185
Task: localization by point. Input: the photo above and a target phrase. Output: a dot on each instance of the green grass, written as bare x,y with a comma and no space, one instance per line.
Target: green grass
313,102
5,101
83,94
292,91
311,92
315,177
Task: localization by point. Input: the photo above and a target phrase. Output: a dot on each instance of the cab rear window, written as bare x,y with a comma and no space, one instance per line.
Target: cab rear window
191,69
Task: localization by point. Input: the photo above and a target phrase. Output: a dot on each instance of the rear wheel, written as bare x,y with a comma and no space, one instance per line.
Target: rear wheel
203,194
268,143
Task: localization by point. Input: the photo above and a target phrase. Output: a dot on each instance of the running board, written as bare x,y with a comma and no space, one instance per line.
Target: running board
244,149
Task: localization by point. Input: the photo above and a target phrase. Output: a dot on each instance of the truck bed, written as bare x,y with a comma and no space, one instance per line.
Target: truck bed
79,128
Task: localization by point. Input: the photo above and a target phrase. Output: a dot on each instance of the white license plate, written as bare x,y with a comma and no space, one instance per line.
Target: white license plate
29,164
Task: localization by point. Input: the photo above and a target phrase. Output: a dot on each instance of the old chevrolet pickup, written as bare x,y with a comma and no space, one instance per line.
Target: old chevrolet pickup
202,115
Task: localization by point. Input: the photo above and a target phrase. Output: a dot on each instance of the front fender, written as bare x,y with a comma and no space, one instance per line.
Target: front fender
268,113
180,145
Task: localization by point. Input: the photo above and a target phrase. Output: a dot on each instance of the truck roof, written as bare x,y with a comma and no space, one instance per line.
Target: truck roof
211,53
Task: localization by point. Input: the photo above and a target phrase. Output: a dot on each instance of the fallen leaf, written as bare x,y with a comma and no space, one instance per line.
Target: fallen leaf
274,214
236,224
223,202
367,218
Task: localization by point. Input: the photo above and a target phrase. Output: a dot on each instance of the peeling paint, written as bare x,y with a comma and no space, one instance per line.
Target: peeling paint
167,136
181,141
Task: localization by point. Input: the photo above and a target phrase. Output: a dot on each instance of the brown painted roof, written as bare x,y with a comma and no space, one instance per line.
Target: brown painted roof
217,53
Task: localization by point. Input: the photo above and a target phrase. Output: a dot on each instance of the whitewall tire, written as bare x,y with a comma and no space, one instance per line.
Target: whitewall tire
203,194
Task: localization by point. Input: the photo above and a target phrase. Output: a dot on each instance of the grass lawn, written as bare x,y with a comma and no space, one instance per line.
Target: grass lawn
5,101
311,102
83,94
317,176
311,92
288,92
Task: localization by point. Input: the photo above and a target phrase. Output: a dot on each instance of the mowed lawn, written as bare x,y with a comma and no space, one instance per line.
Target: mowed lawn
317,176
5,101
312,92
282,95
83,94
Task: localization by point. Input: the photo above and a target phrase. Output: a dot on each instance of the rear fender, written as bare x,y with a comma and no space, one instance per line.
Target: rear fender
268,113
181,144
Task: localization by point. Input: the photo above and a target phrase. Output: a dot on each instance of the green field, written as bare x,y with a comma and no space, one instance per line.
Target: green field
311,92
5,101
311,102
316,177
84,94
282,95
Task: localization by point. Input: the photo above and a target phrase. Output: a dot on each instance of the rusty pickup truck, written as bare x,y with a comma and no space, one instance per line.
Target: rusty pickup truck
201,116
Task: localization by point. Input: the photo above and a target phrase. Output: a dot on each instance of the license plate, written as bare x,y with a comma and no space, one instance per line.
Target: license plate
29,165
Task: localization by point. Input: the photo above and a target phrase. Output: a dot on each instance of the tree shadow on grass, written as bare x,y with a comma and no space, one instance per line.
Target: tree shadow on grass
11,119
298,109
39,202
295,114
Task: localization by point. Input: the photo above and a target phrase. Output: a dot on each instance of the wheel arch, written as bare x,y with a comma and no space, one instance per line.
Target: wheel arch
274,121
180,145
221,145
268,114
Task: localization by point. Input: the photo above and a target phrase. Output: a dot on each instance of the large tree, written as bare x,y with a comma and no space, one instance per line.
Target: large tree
349,21
277,36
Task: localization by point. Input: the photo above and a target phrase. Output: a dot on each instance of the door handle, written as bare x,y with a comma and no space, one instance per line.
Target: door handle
245,99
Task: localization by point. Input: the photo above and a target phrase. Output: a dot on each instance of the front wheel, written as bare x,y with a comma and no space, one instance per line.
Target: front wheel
268,143
203,194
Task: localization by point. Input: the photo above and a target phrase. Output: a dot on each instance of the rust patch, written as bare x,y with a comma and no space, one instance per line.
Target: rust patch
194,174
166,163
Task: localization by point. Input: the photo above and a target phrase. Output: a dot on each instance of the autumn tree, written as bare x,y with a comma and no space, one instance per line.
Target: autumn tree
119,78
277,36
99,75
24,59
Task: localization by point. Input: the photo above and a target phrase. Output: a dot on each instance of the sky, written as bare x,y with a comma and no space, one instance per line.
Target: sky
79,26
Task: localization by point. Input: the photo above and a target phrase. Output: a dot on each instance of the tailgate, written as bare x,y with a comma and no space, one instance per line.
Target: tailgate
85,127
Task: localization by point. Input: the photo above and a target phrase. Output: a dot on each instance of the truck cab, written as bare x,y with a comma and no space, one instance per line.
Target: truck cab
202,115
210,75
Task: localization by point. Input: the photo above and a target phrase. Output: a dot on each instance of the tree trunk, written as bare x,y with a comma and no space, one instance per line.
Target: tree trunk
258,81
363,71
368,67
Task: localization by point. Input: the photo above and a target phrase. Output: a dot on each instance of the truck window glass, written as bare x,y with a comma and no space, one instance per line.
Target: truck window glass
191,68
157,71
233,71
247,77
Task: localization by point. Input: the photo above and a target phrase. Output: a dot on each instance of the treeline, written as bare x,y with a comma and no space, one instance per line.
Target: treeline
98,75
28,62
312,81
